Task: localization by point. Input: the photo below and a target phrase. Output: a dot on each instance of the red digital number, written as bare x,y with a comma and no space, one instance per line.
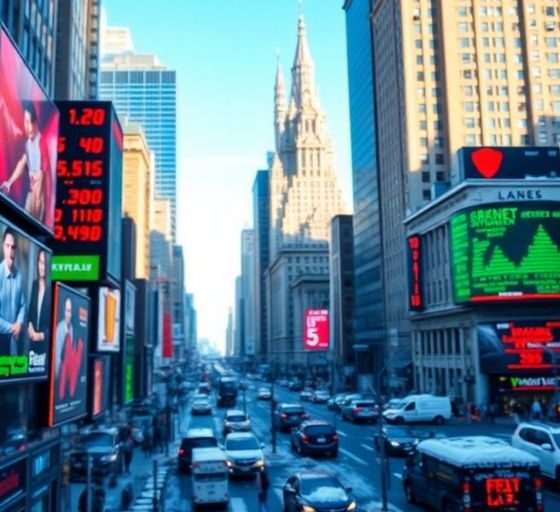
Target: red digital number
88,168
87,215
92,144
61,144
86,116
62,168
84,196
58,213
58,232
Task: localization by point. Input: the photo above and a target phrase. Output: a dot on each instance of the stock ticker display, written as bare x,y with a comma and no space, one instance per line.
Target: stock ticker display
506,252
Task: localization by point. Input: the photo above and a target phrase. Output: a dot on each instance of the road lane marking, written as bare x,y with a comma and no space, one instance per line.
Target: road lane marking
352,456
367,447
398,475
340,433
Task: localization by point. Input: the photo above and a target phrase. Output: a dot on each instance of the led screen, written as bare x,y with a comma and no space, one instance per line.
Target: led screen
506,252
108,324
28,135
69,355
316,329
100,375
25,306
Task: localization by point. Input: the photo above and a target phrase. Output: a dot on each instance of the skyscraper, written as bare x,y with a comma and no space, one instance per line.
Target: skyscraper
145,91
369,315
304,196
453,73
248,290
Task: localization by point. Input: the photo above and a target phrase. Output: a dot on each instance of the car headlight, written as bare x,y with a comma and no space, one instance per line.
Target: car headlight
307,508
352,506
109,458
394,444
259,464
229,463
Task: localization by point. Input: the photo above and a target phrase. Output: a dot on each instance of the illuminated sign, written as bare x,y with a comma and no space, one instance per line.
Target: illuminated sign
108,324
414,273
509,162
510,383
514,346
29,132
506,252
89,188
71,315
13,480
502,492
75,268
100,374
316,329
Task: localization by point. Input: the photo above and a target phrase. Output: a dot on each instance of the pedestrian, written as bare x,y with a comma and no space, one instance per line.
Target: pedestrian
147,443
536,410
158,441
128,452
492,411
263,495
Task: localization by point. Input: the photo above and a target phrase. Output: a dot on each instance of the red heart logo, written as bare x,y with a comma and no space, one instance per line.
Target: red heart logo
487,161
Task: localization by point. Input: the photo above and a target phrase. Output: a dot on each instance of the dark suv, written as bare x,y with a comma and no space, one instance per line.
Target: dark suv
315,436
195,438
288,416
103,448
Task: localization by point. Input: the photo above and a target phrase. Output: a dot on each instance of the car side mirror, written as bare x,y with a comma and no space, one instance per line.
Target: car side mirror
262,445
289,489
546,447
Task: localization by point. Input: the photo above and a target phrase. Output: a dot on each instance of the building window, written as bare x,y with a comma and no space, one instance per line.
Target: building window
425,177
426,195
440,159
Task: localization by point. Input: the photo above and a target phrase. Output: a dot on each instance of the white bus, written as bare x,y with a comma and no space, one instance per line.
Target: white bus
209,477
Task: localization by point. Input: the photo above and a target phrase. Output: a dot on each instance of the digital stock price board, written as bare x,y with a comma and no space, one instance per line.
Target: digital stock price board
87,228
505,252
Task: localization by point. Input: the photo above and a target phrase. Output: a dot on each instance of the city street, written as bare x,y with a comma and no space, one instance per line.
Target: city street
357,464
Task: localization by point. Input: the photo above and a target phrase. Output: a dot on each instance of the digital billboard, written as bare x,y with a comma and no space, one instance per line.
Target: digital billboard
506,252
415,296
28,135
100,375
68,382
509,163
88,210
108,322
25,306
316,329
514,347
128,351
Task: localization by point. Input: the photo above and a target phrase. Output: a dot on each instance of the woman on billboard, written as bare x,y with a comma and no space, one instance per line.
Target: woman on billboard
39,306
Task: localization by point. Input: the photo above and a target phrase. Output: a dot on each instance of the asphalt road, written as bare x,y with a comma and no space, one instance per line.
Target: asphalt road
357,464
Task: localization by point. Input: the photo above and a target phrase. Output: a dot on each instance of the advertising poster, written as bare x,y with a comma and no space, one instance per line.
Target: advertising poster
108,324
29,135
68,383
316,329
128,355
25,306
100,375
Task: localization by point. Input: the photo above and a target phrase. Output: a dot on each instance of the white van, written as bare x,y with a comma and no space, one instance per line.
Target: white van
209,477
416,408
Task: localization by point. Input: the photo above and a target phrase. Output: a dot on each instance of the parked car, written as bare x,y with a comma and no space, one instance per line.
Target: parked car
398,440
264,394
287,416
321,396
244,454
543,441
306,395
361,410
194,438
420,408
102,447
236,421
316,490
478,473
295,385
315,437
201,406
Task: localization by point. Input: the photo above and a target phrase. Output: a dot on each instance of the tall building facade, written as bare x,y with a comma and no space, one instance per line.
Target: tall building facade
341,300
239,330
178,302
229,334
304,196
453,73
77,52
261,259
369,316
145,91
191,328
32,25
138,193
248,290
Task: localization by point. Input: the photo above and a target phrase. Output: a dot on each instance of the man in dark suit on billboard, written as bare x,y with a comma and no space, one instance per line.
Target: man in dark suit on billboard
12,299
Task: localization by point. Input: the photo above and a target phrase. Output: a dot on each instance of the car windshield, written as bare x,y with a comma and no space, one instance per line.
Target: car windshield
322,489
201,442
364,404
242,444
239,417
322,393
319,429
399,432
95,440
201,402
556,439
397,404
199,396
293,410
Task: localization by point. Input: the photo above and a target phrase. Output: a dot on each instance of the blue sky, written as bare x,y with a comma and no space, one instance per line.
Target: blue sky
225,54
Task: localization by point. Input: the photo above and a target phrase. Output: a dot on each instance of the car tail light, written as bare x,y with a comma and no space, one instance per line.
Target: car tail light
304,438
334,437
357,409
182,451
284,416
466,488
539,495
305,416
